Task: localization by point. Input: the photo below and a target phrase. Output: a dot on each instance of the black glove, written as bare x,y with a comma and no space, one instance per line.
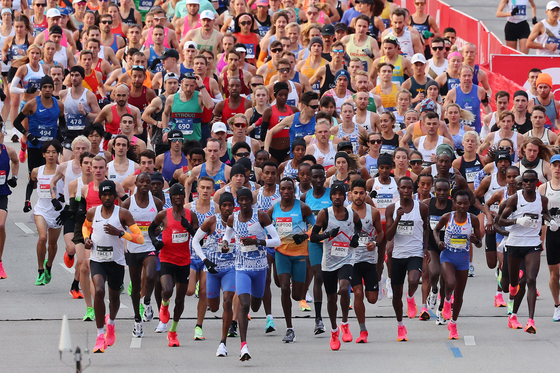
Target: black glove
27,206
514,11
185,223
80,215
210,265
2,94
300,238
12,182
56,203
31,90
63,215
158,245
107,136
535,21
154,64
34,140
332,232
368,53
354,241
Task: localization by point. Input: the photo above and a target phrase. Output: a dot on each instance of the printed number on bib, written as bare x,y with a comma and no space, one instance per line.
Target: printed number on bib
384,200
434,219
143,225
340,249
405,227
534,220
185,125
2,177
44,191
458,242
105,253
75,122
284,226
471,173
363,238
179,237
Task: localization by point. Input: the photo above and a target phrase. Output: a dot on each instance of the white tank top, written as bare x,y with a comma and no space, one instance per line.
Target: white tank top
545,38
293,98
74,120
553,201
143,218
69,176
513,138
328,157
107,248
526,236
385,194
32,75
337,251
115,176
435,71
538,169
367,122
354,136
44,205
522,6
361,254
427,154
61,57
409,238
405,42
544,138
493,188
6,67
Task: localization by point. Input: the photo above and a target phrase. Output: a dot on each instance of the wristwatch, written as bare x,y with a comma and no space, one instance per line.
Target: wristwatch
201,87
121,234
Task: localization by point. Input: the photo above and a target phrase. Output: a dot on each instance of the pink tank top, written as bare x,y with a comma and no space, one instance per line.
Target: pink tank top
63,41
221,64
149,42
187,28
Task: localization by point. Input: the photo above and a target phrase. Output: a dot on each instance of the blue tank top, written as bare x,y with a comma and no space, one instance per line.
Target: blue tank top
253,257
470,102
299,129
115,45
264,203
475,74
153,56
371,165
218,178
550,121
184,70
457,237
317,204
4,171
458,138
18,51
44,122
169,167
296,78
296,223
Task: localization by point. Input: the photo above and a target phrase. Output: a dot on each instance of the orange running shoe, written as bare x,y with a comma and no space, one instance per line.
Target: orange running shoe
452,327
172,338
164,314
346,335
446,309
76,294
363,337
530,327
499,300
401,334
335,341
67,261
424,314
513,323
100,344
412,310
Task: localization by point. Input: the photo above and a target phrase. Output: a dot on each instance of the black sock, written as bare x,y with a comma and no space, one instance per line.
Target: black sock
75,285
41,271
48,269
147,301
70,256
137,319
223,341
318,310
198,325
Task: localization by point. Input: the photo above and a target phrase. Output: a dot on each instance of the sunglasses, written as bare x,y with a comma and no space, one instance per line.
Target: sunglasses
375,141
276,50
176,140
438,48
242,155
527,181
246,23
447,48
157,18
417,4
314,107
107,22
255,84
504,148
312,13
44,4
416,161
284,70
338,50
138,67
239,125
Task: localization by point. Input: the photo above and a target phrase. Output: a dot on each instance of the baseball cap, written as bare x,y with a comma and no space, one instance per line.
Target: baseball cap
219,127
66,11
555,158
240,48
327,30
170,53
340,27
207,14
53,12
175,134
552,4
55,29
170,75
196,2
189,44
78,1
418,57
6,10
344,144
262,2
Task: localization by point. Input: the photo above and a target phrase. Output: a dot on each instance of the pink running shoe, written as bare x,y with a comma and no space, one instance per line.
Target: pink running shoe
499,300
346,335
100,345
412,310
513,323
401,334
452,327
446,310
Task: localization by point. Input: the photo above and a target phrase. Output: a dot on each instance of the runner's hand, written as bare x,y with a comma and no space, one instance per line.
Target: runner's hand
332,233
210,265
88,243
56,203
300,238
31,90
112,231
524,221
12,182
33,139
27,206
515,11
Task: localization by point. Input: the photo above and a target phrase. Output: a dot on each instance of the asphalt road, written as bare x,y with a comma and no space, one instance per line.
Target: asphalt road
30,321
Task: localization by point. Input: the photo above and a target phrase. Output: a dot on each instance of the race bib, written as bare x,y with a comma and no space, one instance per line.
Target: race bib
284,226
250,50
535,221
263,30
44,191
105,253
495,207
75,122
551,40
185,125
387,149
384,200
458,242
45,132
143,225
2,177
471,173
373,171
249,248
145,5
522,10
363,239
34,82
231,245
405,227
340,249
434,219
179,237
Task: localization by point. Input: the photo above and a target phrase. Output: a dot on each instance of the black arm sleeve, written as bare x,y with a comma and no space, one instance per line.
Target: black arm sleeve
29,189
264,130
82,210
316,237
358,227
152,232
18,121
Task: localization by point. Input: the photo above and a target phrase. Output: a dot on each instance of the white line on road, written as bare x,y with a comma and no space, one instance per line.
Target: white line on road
71,270
24,228
122,304
136,342
469,340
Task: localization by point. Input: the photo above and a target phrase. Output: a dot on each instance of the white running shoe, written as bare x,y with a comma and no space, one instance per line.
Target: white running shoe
556,316
244,355
161,328
148,313
439,319
432,300
471,270
138,330
308,297
389,288
222,351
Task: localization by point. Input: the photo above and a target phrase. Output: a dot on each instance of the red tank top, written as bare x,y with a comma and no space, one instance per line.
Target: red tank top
244,89
118,30
207,113
175,241
114,127
92,199
277,117
141,102
228,112
98,68
251,41
90,82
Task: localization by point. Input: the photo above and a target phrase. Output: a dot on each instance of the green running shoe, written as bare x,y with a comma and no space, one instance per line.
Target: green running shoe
198,334
130,289
90,314
48,274
509,307
40,279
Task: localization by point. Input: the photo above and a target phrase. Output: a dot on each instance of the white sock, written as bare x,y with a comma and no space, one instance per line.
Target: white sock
409,297
111,322
100,331
400,323
499,293
334,330
453,321
345,323
269,317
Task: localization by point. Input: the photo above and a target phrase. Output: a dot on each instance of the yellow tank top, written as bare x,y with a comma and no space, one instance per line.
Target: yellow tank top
355,51
389,101
308,71
211,43
398,72
386,15
270,72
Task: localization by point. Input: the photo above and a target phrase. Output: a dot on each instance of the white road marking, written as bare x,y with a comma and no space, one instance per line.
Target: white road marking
136,342
122,304
469,340
71,270
24,228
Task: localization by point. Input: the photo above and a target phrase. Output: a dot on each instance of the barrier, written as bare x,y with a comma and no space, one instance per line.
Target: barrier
499,82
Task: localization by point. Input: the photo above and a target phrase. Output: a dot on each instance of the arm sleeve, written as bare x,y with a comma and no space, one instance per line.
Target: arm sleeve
29,189
264,130
199,235
14,87
86,229
135,235
274,241
311,220
152,232
18,123
316,237
229,234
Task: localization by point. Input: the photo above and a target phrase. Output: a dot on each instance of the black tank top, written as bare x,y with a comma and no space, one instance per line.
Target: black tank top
156,131
129,19
435,215
469,170
254,117
329,80
416,88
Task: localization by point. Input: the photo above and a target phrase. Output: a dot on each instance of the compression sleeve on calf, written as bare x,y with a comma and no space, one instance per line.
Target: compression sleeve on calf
229,234
86,229
199,235
274,241
18,123
135,235
14,87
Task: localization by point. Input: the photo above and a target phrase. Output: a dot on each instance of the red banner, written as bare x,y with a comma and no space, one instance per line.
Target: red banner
499,82
516,69
483,34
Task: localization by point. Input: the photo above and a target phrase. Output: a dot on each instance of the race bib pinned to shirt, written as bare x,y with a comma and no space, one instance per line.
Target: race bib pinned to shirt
185,125
104,253
405,227
340,249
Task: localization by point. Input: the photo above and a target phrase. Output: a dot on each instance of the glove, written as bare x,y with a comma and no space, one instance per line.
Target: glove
12,182
27,206
354,241
373,194
300,238
514,11
185,223
62,216
427,34
210,265
158,245
332,232
368,53
553,225
535,20
34,140
154,64
56,203
80,215
31,90
2,94
524,221
107,136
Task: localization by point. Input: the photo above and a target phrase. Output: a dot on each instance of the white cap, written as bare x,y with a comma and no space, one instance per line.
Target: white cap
196,2
219,127
418,57
53,12
552,4
189,44
207,14
6,10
